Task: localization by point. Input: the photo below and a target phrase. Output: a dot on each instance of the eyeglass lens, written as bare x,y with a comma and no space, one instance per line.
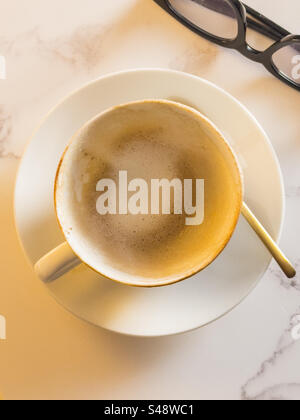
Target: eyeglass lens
287,61
217,17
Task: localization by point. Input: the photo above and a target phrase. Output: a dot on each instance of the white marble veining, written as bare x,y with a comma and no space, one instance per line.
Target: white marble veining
52,48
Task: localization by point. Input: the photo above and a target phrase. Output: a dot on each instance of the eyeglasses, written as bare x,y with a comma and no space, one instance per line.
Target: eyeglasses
225,23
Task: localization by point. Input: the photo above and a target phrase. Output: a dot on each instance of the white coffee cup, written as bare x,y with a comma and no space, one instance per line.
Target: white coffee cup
178,128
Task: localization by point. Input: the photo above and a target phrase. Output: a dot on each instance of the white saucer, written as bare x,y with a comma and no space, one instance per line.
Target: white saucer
172,309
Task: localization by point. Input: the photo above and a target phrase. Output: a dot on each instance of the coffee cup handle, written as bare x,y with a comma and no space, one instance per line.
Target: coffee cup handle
56,263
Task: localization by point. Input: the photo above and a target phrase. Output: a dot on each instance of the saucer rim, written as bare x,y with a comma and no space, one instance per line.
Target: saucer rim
154,70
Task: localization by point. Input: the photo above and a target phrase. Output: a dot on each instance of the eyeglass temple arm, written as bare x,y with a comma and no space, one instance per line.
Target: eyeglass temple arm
264,25
255,20
258,27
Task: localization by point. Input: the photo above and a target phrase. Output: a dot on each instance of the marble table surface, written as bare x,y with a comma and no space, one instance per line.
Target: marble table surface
52,48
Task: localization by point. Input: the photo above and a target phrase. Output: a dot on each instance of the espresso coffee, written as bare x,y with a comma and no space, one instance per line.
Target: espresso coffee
151,145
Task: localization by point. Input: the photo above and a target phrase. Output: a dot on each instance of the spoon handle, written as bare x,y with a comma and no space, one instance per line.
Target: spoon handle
274,249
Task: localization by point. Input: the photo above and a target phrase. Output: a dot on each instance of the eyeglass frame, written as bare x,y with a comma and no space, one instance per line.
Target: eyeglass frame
260,23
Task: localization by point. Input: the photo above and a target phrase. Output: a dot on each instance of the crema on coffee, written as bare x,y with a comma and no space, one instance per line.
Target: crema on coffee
145,144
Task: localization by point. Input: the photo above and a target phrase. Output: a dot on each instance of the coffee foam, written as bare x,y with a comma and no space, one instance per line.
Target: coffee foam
150,140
